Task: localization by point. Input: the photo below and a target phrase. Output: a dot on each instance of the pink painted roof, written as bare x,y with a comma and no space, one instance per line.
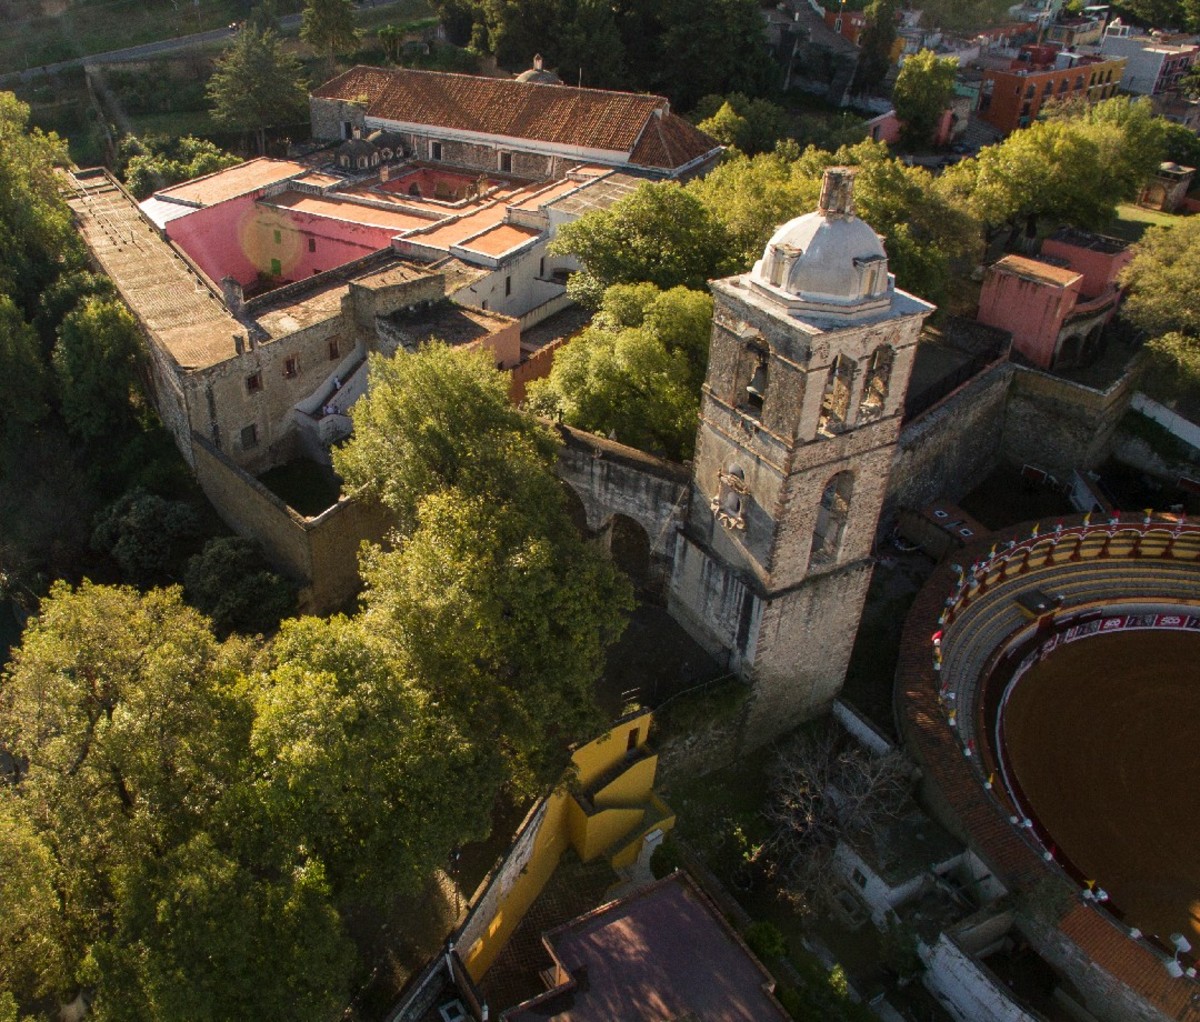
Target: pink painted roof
229,184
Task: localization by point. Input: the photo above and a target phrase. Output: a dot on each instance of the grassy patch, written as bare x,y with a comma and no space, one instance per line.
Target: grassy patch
717,703
1133,221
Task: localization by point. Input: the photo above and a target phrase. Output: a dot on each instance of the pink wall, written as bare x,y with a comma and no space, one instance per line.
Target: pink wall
1099,269
885,128
335,241
219,239
237,238
1032,312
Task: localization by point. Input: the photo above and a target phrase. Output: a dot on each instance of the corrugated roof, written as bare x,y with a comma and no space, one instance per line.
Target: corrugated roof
555,114
229,184
1035,269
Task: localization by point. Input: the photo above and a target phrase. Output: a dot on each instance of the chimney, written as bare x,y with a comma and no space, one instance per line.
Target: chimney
537,62
837,192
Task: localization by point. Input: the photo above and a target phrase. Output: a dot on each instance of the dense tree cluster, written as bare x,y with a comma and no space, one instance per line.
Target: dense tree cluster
636,372
684,49
156,161
1072,168
922,92
257,85
197,818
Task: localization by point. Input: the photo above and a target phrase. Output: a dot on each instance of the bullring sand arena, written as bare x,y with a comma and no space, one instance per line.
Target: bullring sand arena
1049,687
1101,741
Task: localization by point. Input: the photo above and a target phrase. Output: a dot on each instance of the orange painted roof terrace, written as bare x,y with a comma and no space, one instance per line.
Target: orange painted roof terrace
351,212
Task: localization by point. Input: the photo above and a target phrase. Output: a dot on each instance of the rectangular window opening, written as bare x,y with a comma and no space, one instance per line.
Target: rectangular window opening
333,350
507,286
291,367
249,437
278,237
435,150
254,382
312,244
506,163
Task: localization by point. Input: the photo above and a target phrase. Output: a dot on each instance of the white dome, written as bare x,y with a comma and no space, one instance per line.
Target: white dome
828,262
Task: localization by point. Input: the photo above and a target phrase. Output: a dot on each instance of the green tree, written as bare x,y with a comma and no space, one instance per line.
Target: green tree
158,160
333,705
751,125
141,532
256,86
636,372
875,45
328,27
441,420
96,362
36,233
1068,169
1163,297
1172,371
922,93
496,608
661,234
23,376
231,583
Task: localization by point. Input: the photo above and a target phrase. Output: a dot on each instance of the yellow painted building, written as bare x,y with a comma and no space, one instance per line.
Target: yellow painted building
604,807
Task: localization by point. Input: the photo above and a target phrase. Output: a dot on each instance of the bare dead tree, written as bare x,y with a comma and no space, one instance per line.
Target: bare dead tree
826,786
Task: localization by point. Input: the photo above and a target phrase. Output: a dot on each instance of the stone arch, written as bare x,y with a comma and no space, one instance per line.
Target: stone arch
1069,351
835,405
875,386
832,517
629,548
576,510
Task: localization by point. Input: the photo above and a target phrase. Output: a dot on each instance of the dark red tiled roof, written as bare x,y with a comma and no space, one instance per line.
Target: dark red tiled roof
669,141
556,114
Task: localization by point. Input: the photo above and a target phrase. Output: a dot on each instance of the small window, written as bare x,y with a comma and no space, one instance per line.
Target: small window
859,878
435,150
506,163
333,350
312,244
291,367
254,383
507,286
249,437
276,267
631,742
484,305
278,237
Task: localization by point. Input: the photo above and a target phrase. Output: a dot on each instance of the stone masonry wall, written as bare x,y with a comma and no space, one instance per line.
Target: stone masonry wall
950,449
1059,425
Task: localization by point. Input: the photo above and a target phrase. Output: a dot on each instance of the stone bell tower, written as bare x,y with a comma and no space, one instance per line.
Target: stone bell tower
810,357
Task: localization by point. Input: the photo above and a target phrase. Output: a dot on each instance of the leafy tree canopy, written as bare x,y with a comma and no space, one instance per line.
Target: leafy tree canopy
257,85
231,582
922,92
156,161
682,48
751,125
661,234
24,380
328,27
140,531
36,233
1163,297
95,362
495,607
635,374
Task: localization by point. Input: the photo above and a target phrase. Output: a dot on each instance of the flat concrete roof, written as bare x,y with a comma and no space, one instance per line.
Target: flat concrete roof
1035,269
500,239
229,184
332,208
663,952
172,301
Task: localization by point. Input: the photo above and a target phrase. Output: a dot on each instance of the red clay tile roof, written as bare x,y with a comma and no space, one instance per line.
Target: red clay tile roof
670,142
555,114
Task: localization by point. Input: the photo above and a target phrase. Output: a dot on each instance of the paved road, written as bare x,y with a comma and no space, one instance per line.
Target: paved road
156,49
